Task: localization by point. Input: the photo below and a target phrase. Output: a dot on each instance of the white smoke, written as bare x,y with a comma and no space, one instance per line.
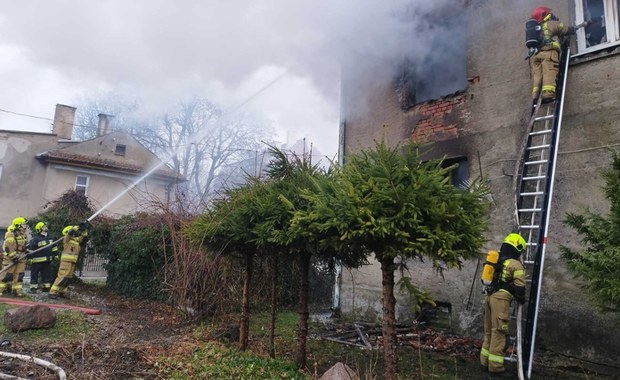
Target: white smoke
163,49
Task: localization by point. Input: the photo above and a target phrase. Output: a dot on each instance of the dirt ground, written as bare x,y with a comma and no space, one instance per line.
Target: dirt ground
126,339
122,343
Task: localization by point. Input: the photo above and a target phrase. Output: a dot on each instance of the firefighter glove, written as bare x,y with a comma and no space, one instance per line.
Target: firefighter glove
83,225
582,25
520,294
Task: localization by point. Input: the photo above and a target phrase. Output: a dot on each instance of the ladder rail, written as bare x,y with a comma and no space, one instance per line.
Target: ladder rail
549,197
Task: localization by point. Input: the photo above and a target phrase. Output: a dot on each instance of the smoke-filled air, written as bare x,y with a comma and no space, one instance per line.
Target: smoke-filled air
270,69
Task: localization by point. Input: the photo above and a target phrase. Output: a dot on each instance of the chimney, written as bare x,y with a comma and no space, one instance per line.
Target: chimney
104,124
63,121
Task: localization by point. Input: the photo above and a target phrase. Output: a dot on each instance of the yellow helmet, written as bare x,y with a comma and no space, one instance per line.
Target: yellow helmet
17,222
515,240
66,230
39,226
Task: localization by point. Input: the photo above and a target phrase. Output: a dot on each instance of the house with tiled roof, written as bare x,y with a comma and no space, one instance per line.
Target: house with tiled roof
36,168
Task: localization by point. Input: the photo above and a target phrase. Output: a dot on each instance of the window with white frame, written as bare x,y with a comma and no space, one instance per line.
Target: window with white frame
81,184
603,29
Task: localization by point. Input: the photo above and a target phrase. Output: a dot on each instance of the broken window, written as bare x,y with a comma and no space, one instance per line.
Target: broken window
603,29
435,56
81,184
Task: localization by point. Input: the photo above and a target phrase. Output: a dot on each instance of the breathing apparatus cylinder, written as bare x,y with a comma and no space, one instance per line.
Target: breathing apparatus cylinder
489,267
532,34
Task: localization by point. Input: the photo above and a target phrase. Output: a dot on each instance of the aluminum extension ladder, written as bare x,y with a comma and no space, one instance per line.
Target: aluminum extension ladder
533,197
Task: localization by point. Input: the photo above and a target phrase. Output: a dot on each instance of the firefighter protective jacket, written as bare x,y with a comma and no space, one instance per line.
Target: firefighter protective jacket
553,32
513,276
14,244
45,254
71,245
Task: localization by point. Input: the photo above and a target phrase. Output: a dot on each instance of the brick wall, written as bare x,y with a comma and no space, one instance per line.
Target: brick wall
438,119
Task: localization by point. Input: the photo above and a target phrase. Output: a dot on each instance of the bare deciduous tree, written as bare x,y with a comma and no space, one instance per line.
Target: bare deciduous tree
209,148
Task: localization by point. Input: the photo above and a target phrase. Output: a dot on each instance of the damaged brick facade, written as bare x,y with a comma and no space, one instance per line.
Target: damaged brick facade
485,124
438,120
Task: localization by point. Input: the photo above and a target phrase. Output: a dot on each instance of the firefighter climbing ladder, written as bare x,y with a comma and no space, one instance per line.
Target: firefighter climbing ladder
533,200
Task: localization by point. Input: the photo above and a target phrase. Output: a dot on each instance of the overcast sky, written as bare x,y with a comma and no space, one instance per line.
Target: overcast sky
62,51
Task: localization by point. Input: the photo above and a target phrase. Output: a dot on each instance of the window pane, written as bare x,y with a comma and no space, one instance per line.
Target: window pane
81,184
596,32
120,150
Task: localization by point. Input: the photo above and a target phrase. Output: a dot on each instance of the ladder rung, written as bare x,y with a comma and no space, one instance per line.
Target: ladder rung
536,162
530,209
533,193
534,178
542,132
530,227
531,244
547,117
528,262
546,146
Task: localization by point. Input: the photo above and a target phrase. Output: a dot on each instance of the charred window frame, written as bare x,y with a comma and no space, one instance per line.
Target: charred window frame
406,85
439,68
604,31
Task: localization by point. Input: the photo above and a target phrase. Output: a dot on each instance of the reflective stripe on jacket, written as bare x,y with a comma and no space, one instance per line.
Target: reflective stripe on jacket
553,31
71,250
15,243
512,274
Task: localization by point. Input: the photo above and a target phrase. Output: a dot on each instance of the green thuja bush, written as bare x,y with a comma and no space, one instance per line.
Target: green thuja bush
134,246
597,262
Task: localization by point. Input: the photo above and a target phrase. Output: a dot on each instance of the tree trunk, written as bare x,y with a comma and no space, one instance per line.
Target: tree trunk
274,306
244,325
302,323
389,306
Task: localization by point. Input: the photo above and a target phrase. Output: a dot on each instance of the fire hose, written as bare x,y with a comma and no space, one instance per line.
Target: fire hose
28,254
44,363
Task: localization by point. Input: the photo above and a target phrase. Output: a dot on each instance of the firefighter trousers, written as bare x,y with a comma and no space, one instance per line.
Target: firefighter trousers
544,68
13,277
41,275
496,320
65,273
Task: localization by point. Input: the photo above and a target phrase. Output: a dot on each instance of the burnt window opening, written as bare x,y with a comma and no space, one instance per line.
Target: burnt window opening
120,150
435,61
459,175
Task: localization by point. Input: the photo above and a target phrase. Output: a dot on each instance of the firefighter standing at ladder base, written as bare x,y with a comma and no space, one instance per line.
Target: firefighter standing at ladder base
74,239
41,261
545,58
15,255
508,282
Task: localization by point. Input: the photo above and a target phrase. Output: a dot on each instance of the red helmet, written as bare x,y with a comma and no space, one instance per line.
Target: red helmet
540,13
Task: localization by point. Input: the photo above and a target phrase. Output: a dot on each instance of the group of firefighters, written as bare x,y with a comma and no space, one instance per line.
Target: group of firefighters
39,252
511,277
